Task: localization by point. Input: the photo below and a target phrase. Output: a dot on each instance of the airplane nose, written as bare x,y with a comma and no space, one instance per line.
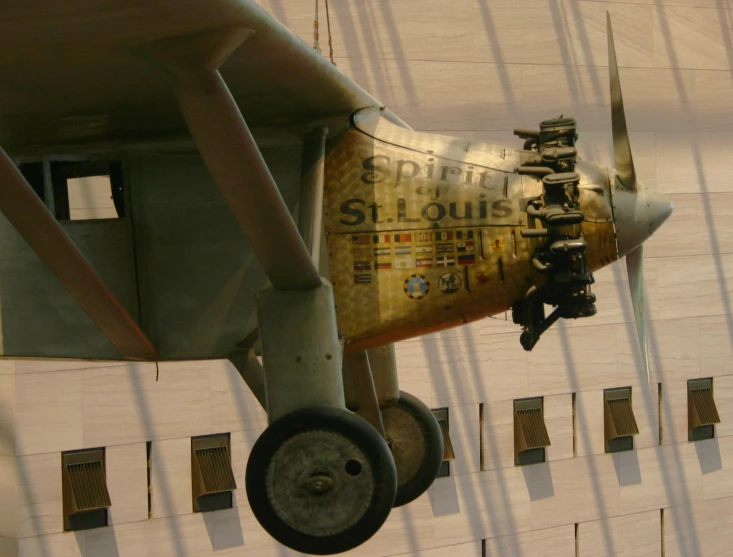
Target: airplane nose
660,208
638,214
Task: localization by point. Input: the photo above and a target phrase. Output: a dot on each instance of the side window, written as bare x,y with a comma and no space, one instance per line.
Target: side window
84,190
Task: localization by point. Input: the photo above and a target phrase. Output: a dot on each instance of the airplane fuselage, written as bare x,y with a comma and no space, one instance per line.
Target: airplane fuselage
425,231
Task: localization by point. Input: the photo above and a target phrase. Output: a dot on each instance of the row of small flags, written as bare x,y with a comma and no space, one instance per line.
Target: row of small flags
461,247
409,263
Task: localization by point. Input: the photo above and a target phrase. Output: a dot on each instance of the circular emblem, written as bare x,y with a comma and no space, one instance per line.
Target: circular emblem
449,283
417,287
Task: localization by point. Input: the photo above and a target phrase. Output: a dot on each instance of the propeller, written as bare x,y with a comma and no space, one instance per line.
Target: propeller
627,176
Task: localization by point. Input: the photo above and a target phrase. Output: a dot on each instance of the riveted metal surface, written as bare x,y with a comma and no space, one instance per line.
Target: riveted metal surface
420,242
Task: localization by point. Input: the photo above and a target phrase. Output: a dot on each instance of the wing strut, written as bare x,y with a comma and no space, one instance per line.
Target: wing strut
47,238
231,154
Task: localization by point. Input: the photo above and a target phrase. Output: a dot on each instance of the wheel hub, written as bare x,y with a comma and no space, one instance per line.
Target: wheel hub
320,483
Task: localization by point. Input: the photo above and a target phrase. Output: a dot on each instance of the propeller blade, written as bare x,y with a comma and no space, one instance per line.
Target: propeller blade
635,270
621,146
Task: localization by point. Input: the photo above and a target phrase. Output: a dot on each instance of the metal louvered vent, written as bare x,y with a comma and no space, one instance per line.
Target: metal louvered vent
88,486
532,427
448,452
84,489
704,405
216,469
702,413
622,417
620,423
212,479
530,432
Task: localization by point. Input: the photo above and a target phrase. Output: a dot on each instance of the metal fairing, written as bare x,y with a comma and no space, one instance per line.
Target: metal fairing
424,231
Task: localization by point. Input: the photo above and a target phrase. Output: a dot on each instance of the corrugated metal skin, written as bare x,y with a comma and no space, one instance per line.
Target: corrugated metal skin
622,416
216,469
704,403
89,486
532,423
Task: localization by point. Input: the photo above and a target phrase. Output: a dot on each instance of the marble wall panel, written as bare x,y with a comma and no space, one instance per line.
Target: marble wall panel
674,412
716,344
694,162
589,414
465,96
659,477
241,443
138,403
702,225
66,544
623,536
8,498
35,365
558,410
550,542
562,32
48,412
233,407
170,477
699,529
40,504
573,490
572,359
7,414
471,549
477,369
716,465
127,482
723,394
414,360
686,37
9,547
176,535
498,439
464,432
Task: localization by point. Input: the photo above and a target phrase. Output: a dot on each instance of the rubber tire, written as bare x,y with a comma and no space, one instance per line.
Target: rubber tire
433,456
357,430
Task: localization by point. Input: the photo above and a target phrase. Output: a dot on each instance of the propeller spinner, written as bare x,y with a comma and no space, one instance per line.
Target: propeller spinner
638,211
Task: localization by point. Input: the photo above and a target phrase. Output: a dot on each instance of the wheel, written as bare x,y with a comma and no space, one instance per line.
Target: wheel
416,441
321,480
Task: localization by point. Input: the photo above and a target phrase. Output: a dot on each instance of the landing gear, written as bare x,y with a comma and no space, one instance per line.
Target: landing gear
321,480
416,441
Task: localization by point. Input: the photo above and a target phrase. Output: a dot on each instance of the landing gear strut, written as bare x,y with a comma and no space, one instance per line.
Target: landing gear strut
321,480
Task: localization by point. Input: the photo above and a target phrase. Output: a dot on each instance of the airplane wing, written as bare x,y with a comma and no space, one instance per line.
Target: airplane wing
74,79
69,73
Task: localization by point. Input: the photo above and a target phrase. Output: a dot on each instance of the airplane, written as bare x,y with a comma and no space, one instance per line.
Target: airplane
399,233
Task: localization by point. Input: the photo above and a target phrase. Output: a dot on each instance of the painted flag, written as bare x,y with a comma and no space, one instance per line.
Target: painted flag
445,261
381,251
442,236
362,265
363,278
425,262
466,259
403,237
403,250
464,235
444,248
381,238
465,246
424,249
404,263
359,240
424,236
383,265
